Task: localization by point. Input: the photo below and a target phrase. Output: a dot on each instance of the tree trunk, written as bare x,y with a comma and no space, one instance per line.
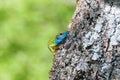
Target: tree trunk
92,49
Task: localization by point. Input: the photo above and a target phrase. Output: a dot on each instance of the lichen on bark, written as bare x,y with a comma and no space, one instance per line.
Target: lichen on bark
92,48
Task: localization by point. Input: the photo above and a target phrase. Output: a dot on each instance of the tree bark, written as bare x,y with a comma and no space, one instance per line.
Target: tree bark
92,49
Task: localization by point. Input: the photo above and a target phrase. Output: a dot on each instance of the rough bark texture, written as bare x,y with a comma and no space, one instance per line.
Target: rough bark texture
92,49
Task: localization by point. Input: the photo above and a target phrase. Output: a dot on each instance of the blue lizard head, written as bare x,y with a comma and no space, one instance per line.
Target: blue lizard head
60,37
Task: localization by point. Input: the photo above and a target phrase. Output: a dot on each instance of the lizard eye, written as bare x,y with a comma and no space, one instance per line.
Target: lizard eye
61,34
60,37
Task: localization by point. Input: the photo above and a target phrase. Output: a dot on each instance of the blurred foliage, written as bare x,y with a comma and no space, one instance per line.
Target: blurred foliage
25,28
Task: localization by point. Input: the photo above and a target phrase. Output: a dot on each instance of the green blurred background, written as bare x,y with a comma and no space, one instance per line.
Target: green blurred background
25,28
